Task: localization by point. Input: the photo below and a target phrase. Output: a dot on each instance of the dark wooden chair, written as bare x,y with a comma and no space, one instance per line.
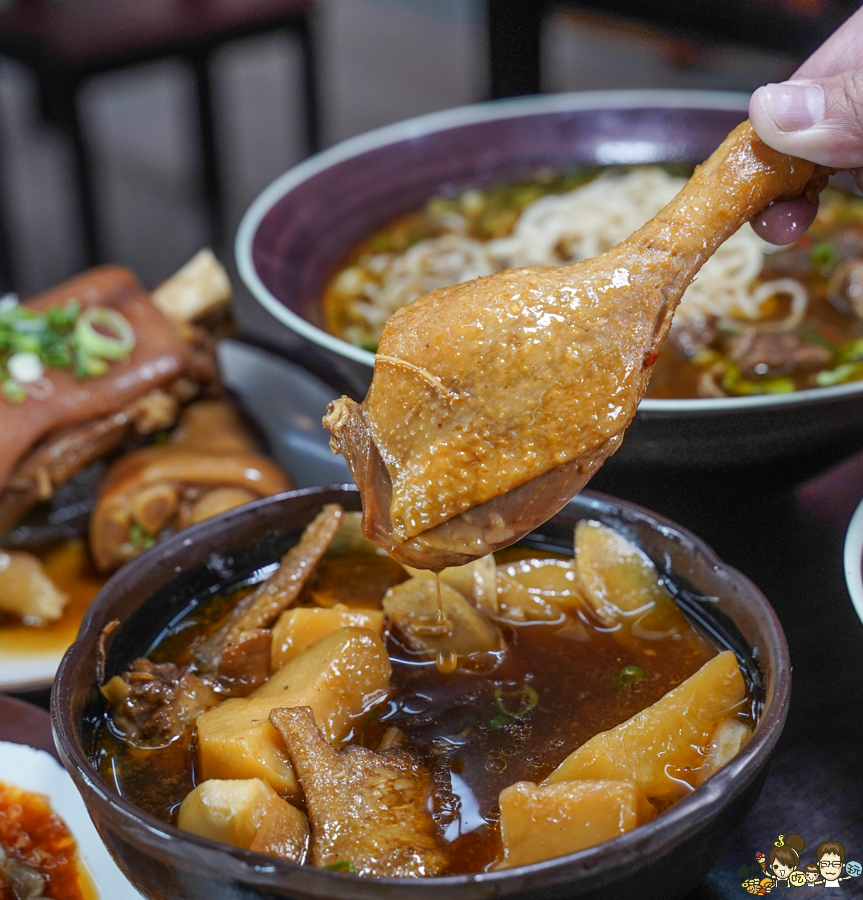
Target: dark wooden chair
66,42
514,28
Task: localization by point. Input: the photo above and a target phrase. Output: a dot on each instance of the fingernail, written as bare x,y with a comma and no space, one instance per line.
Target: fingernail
795,107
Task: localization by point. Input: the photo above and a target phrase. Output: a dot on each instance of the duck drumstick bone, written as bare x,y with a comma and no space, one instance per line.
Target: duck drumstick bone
493,402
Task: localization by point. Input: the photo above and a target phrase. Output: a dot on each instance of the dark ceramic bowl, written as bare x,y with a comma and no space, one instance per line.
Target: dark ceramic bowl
659,861
300,229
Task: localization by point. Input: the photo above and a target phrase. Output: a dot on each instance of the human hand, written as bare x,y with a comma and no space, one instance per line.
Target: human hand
817,115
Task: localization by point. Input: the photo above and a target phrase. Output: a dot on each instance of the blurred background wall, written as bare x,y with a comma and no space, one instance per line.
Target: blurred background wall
378,61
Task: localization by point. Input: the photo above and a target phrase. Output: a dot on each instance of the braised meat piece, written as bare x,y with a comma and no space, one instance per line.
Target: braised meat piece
209,464
845,288
280,591
153,704
774,352
75,421
367,809
245,663
494,401
283,587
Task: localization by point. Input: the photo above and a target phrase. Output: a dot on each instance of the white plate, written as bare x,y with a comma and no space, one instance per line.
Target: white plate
287,403
853,559
34,770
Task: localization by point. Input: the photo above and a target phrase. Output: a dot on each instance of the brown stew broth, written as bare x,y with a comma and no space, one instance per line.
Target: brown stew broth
452,721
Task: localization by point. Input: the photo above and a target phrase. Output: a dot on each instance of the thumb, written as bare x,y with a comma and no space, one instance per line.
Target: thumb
820,120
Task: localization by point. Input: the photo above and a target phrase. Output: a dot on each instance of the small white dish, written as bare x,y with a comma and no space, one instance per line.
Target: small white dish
853,559
36,771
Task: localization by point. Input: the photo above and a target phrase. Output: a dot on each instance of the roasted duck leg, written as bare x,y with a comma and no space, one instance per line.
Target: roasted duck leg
493,402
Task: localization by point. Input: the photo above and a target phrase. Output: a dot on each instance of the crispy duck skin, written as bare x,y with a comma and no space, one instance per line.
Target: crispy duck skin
49,440
366,808
494,401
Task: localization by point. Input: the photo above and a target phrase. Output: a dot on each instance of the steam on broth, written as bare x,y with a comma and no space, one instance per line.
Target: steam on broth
757,320
551,654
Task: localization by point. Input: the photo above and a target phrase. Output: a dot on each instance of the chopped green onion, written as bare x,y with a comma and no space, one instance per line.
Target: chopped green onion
810,336
25,368
141,538
850,371
94,343
526,697
61,337
368,721
824,257
13,391
25,343
62,316
498,722
628,675
734,382
89,366
852,351
343,865
94,366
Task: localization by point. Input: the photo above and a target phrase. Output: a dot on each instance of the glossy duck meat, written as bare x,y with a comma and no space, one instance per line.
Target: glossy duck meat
365,808
493,402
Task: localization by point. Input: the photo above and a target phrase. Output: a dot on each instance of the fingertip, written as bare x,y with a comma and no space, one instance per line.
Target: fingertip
784,221
759,115
756,102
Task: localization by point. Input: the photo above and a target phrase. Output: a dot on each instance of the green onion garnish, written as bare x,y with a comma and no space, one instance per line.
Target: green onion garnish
368,721
62,337
141,538
96,343
628,675
525,700
343,865
850,371
824,256
13,391
815,337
